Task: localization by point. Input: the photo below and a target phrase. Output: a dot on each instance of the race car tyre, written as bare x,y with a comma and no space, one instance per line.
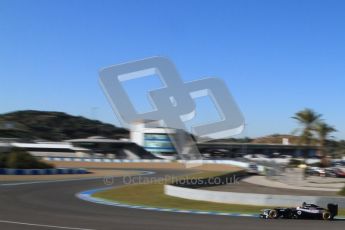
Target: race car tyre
273,214
294,216
326,216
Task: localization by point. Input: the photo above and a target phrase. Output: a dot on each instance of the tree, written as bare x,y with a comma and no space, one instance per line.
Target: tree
308,118
323,130
20,159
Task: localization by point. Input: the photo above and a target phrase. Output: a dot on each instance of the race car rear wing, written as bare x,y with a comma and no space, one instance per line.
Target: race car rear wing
333,210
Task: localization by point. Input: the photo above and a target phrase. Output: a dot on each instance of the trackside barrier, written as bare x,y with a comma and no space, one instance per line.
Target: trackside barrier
107,160
5,171
250,198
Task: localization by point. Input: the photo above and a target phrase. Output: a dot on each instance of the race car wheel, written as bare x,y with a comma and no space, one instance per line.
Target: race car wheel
273,214
326,216
294,216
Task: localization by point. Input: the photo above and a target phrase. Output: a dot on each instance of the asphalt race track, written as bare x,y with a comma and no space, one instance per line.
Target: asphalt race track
54,206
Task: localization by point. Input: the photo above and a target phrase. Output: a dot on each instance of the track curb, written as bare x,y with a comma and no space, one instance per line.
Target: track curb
87,196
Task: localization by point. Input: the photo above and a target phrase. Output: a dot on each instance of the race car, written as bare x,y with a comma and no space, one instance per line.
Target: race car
305,211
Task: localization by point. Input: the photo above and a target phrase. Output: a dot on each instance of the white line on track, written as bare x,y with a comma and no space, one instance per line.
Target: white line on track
42,225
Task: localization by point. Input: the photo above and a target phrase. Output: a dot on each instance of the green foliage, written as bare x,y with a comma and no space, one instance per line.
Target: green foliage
323,130
54,126
313,126
19,159
307,118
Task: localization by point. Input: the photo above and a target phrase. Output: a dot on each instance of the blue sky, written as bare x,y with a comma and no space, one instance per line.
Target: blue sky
277,57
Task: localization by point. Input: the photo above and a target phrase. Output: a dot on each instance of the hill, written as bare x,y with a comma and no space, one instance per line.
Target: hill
54,126
276,139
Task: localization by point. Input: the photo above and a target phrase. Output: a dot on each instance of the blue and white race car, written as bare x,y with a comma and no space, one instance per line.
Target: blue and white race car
305,211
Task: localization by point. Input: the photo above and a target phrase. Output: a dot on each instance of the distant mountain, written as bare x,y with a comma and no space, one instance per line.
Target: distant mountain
54,126
271,139
232,140
277,139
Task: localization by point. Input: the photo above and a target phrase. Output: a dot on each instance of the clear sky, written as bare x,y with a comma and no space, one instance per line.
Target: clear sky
277,57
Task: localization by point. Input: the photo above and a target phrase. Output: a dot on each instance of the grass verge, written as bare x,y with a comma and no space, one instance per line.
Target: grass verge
153,195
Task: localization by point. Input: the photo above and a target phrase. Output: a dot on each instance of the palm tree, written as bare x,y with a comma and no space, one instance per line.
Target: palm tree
308,118
323,130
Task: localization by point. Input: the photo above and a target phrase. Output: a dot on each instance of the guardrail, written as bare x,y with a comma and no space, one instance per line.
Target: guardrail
107,160
249,198
5,171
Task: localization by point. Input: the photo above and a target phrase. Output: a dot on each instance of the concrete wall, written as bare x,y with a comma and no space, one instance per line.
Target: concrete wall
104,160
249,198
224,162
